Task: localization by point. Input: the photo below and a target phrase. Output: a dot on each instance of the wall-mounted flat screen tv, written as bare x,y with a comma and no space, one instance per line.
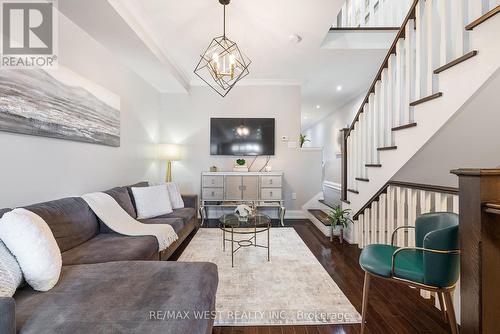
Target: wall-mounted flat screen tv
242,136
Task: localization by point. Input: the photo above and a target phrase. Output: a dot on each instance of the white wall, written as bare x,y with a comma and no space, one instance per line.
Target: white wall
34,169
185,120
326,133
470,139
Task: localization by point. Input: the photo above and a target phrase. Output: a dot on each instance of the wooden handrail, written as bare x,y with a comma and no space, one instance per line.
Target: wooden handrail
483,18
410,185
385,63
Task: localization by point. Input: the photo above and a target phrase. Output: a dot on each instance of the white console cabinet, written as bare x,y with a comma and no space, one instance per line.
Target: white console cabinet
228,189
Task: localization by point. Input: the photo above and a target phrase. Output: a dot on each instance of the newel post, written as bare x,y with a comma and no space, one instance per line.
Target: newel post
343,168
479,205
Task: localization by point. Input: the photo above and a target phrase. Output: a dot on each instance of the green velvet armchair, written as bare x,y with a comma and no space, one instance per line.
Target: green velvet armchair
432,265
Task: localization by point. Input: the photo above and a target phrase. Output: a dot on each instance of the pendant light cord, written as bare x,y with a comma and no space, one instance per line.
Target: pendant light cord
224,25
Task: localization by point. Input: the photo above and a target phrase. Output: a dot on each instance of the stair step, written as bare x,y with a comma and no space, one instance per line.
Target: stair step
405,126
320,215
353,191
456,62
345,201
373,165
387,148
483,18
426,99
362,179
322,201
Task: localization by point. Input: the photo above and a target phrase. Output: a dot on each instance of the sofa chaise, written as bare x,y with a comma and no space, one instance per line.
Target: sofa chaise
111,283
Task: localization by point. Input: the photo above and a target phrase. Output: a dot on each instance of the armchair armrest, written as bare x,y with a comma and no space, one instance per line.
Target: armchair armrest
405,249
7,315
399,228
190,201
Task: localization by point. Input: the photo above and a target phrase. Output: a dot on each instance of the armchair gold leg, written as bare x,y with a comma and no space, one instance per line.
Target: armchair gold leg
364,306
442,305
450,311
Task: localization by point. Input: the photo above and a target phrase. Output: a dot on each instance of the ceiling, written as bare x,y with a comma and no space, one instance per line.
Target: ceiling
174,33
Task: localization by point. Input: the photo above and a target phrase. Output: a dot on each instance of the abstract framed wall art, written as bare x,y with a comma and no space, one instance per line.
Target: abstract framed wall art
59,104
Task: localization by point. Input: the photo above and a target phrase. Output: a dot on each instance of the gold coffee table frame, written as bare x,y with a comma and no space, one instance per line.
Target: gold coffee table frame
254,224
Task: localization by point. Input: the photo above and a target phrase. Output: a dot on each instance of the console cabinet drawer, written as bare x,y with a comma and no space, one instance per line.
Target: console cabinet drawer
270,181
270,194
213,194
213,181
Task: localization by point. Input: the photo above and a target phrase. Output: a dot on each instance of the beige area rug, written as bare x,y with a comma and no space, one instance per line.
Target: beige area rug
293,288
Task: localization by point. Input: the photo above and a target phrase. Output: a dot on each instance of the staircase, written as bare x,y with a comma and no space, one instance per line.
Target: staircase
442,55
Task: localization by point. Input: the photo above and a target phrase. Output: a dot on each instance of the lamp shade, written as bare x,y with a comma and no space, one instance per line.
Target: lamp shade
170,152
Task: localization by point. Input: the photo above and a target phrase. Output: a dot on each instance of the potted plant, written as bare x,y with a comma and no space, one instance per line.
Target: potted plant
240,166
303,139
339,220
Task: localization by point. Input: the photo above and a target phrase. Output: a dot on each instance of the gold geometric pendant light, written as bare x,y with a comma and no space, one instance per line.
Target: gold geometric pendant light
223,64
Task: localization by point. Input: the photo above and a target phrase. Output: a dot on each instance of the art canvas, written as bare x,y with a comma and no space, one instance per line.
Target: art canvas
60,104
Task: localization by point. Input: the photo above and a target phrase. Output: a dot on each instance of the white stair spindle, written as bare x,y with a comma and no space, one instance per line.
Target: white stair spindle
391,86
383,110
445,33
400,218
366,131
391,193
376,120
359,157
455,204
412,215
354,135
362,142
421,46
382,219
399,91
374,223
350,184
368,218
441,202
361,230
433,45
371,125
409,96
459,21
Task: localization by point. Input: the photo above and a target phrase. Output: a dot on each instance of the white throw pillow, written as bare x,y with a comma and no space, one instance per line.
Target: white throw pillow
10,272
175,195
30,240
151,201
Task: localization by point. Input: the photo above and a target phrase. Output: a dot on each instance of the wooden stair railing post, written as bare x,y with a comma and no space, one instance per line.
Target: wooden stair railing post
480,250
343,168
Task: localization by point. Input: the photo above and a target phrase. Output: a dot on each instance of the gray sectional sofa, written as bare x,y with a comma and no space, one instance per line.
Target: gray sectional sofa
111,283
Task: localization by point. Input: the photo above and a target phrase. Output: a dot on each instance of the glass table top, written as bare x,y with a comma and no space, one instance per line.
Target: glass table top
235,221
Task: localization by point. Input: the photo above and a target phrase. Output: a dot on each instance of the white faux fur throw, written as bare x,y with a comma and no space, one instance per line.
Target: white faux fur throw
117,219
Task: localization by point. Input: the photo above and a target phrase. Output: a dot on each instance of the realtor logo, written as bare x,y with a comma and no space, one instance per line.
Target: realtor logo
28,34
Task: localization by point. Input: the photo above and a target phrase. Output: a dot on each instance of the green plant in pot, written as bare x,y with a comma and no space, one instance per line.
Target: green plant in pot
339,219
303,139
241,162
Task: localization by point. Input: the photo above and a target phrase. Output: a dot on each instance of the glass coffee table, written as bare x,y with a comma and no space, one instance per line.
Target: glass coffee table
248,226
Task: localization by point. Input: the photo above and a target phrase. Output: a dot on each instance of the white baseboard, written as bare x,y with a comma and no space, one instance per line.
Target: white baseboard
295,214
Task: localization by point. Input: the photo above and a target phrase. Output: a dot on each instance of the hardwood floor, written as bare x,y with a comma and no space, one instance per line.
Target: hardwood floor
393,308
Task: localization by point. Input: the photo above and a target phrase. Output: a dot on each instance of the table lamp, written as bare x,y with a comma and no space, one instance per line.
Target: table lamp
169,153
